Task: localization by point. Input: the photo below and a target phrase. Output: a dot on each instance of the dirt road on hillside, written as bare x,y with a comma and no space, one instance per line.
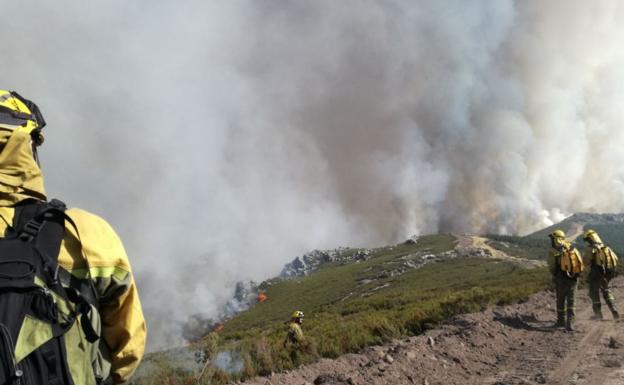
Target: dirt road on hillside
474,245
508,345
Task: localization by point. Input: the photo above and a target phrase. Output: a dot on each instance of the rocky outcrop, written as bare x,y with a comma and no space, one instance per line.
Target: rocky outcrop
310,262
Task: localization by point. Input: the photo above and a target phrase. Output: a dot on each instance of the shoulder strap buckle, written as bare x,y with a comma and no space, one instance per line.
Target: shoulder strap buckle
30,230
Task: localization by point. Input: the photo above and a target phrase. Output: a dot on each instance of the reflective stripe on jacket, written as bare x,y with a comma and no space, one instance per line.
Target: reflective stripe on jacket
123,330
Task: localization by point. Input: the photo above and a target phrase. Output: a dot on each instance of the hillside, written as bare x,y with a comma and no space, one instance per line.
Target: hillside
503,345
352,299
357,298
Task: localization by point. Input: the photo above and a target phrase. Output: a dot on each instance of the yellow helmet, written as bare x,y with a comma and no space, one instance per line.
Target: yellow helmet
557,234
20,114
591,236
297,314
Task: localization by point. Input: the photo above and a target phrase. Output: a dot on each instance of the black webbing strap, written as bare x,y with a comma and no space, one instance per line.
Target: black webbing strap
44,224
24,212
84,309
82,292
85,287
50,356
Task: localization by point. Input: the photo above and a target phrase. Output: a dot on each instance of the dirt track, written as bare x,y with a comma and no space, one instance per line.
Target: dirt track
470,244
510,345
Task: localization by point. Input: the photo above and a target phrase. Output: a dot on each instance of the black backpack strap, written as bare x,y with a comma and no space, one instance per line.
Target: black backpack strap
44,224
83,293
85,287
24,212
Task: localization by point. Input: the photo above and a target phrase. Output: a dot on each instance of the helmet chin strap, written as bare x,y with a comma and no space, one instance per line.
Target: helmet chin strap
35,154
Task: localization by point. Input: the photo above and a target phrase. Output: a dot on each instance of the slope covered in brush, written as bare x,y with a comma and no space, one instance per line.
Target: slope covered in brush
351,303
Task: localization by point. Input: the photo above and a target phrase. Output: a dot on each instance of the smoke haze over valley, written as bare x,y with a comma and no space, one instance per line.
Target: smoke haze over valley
221,139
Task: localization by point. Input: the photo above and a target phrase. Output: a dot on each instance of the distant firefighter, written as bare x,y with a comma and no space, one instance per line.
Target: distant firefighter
295,337
603,262
565,264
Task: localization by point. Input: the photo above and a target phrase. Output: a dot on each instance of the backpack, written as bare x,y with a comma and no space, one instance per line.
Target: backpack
605,259
36,309
571,262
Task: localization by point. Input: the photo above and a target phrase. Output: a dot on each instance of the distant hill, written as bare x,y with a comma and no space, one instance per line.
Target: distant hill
565,225
535,245
586,220
609,226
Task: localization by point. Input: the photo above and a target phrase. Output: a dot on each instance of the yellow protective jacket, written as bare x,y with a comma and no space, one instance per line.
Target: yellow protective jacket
295,334
599,255
123,332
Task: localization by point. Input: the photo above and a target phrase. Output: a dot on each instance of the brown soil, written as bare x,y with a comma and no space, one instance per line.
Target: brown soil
474,245
507,345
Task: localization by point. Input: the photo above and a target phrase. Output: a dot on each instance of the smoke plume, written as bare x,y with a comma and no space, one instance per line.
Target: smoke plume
221,139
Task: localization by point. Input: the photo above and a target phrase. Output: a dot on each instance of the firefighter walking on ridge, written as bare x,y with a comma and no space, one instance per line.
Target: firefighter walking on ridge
603,262
565,264
295,337
295,342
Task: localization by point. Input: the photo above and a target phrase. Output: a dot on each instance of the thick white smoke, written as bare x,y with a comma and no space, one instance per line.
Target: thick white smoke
223,138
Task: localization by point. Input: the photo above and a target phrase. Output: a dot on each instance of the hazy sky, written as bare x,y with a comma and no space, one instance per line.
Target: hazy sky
223,138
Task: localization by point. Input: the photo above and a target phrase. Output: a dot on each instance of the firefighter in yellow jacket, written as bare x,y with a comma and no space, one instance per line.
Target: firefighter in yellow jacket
295,342
89,251
602,262
565,264
295,334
